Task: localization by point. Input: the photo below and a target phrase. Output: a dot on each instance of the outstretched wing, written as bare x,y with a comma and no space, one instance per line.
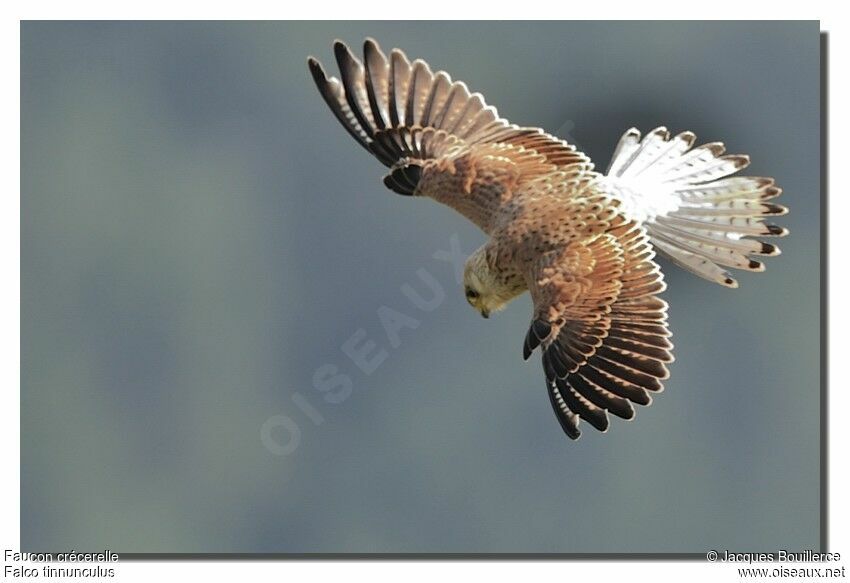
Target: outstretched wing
404,114
696,212
602,330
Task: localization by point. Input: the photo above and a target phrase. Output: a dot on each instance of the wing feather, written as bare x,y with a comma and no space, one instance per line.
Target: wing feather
389,105
601,327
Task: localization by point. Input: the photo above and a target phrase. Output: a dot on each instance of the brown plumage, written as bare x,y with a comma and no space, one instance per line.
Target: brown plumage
580,242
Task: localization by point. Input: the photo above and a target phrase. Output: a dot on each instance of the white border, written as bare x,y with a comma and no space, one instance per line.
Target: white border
419,570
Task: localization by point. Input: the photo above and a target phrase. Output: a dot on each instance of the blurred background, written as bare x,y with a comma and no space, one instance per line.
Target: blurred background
200,239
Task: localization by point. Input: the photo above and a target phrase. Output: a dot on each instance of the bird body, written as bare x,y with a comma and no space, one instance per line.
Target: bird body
580,242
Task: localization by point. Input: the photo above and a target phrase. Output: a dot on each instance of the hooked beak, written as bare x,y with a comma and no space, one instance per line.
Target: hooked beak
485,313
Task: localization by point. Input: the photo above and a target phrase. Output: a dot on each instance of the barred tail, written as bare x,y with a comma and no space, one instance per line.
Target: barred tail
696,212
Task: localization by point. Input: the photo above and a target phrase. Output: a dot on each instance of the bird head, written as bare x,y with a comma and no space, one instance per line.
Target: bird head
482,287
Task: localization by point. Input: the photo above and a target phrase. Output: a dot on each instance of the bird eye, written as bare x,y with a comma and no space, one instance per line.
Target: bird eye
471,294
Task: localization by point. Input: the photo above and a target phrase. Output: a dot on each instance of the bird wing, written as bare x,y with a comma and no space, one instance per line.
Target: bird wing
404,114
600,325
696,212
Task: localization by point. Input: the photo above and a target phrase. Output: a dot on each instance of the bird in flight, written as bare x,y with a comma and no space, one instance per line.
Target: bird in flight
582,243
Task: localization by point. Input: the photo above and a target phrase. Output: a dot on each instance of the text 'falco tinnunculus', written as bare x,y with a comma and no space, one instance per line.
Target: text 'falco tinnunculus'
580,242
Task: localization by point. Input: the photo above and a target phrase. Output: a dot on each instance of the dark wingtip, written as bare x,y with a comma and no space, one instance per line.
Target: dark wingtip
370,44
528,345
403,179
389,182
342,51
541,329
555,361
537,333
566,418
572,431
392,181
316,70
414,173
372,50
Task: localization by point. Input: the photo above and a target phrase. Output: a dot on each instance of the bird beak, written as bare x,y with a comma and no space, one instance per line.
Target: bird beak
485,313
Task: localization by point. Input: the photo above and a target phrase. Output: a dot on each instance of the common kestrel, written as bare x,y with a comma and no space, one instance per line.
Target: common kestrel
580,242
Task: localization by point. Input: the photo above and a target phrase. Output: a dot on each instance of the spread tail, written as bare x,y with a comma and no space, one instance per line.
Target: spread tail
695,211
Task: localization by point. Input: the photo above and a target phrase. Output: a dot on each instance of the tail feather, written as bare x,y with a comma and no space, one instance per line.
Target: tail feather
695,211
736,226
694,263
715,252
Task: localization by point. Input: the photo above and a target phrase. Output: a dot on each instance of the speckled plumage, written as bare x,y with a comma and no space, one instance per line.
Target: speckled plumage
581,243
